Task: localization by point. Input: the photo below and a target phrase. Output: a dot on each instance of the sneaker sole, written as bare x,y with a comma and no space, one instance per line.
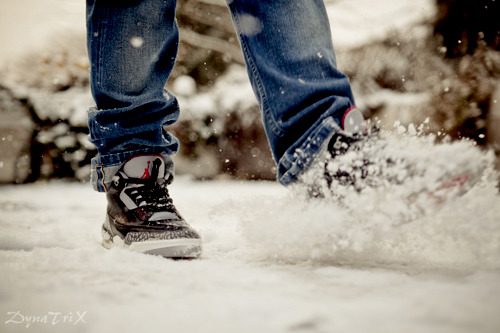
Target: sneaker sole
168,248
176,248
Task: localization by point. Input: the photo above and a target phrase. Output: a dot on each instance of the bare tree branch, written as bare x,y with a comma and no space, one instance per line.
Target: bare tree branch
211,43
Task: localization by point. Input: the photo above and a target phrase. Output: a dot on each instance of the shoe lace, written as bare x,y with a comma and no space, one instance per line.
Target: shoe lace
342,141
150,194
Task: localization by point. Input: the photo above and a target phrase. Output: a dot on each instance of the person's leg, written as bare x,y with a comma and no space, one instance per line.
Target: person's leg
132,46
292,67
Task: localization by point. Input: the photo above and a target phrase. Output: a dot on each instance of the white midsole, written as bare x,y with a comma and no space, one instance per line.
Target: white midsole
146,246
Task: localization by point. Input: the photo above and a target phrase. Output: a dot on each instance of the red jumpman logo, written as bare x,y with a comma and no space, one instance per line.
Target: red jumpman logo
146,174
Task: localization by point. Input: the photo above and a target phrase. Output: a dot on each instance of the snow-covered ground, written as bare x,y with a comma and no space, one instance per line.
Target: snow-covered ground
272,262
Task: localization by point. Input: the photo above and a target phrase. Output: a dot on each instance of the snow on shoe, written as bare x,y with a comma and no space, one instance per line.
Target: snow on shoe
409,174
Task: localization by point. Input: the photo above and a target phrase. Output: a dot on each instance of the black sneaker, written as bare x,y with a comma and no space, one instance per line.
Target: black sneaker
141,215
360,170
357,158
354,132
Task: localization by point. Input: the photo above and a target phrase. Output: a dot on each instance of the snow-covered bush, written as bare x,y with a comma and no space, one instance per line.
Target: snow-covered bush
408,78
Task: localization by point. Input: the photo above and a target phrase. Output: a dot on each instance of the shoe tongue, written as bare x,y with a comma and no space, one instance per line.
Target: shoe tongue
142,167
353,121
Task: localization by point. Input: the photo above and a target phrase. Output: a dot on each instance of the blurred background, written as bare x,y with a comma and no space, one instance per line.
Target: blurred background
431,63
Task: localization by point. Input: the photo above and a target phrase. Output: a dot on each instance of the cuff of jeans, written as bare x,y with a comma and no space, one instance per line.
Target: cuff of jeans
293,164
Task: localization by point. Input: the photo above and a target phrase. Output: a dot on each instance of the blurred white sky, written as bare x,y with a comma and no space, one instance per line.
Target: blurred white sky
27,24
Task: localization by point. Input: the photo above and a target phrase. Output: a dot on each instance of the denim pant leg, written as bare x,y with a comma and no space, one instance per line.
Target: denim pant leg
291,63
132,46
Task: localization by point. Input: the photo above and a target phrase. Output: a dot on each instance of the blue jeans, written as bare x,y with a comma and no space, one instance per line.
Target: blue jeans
290,62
